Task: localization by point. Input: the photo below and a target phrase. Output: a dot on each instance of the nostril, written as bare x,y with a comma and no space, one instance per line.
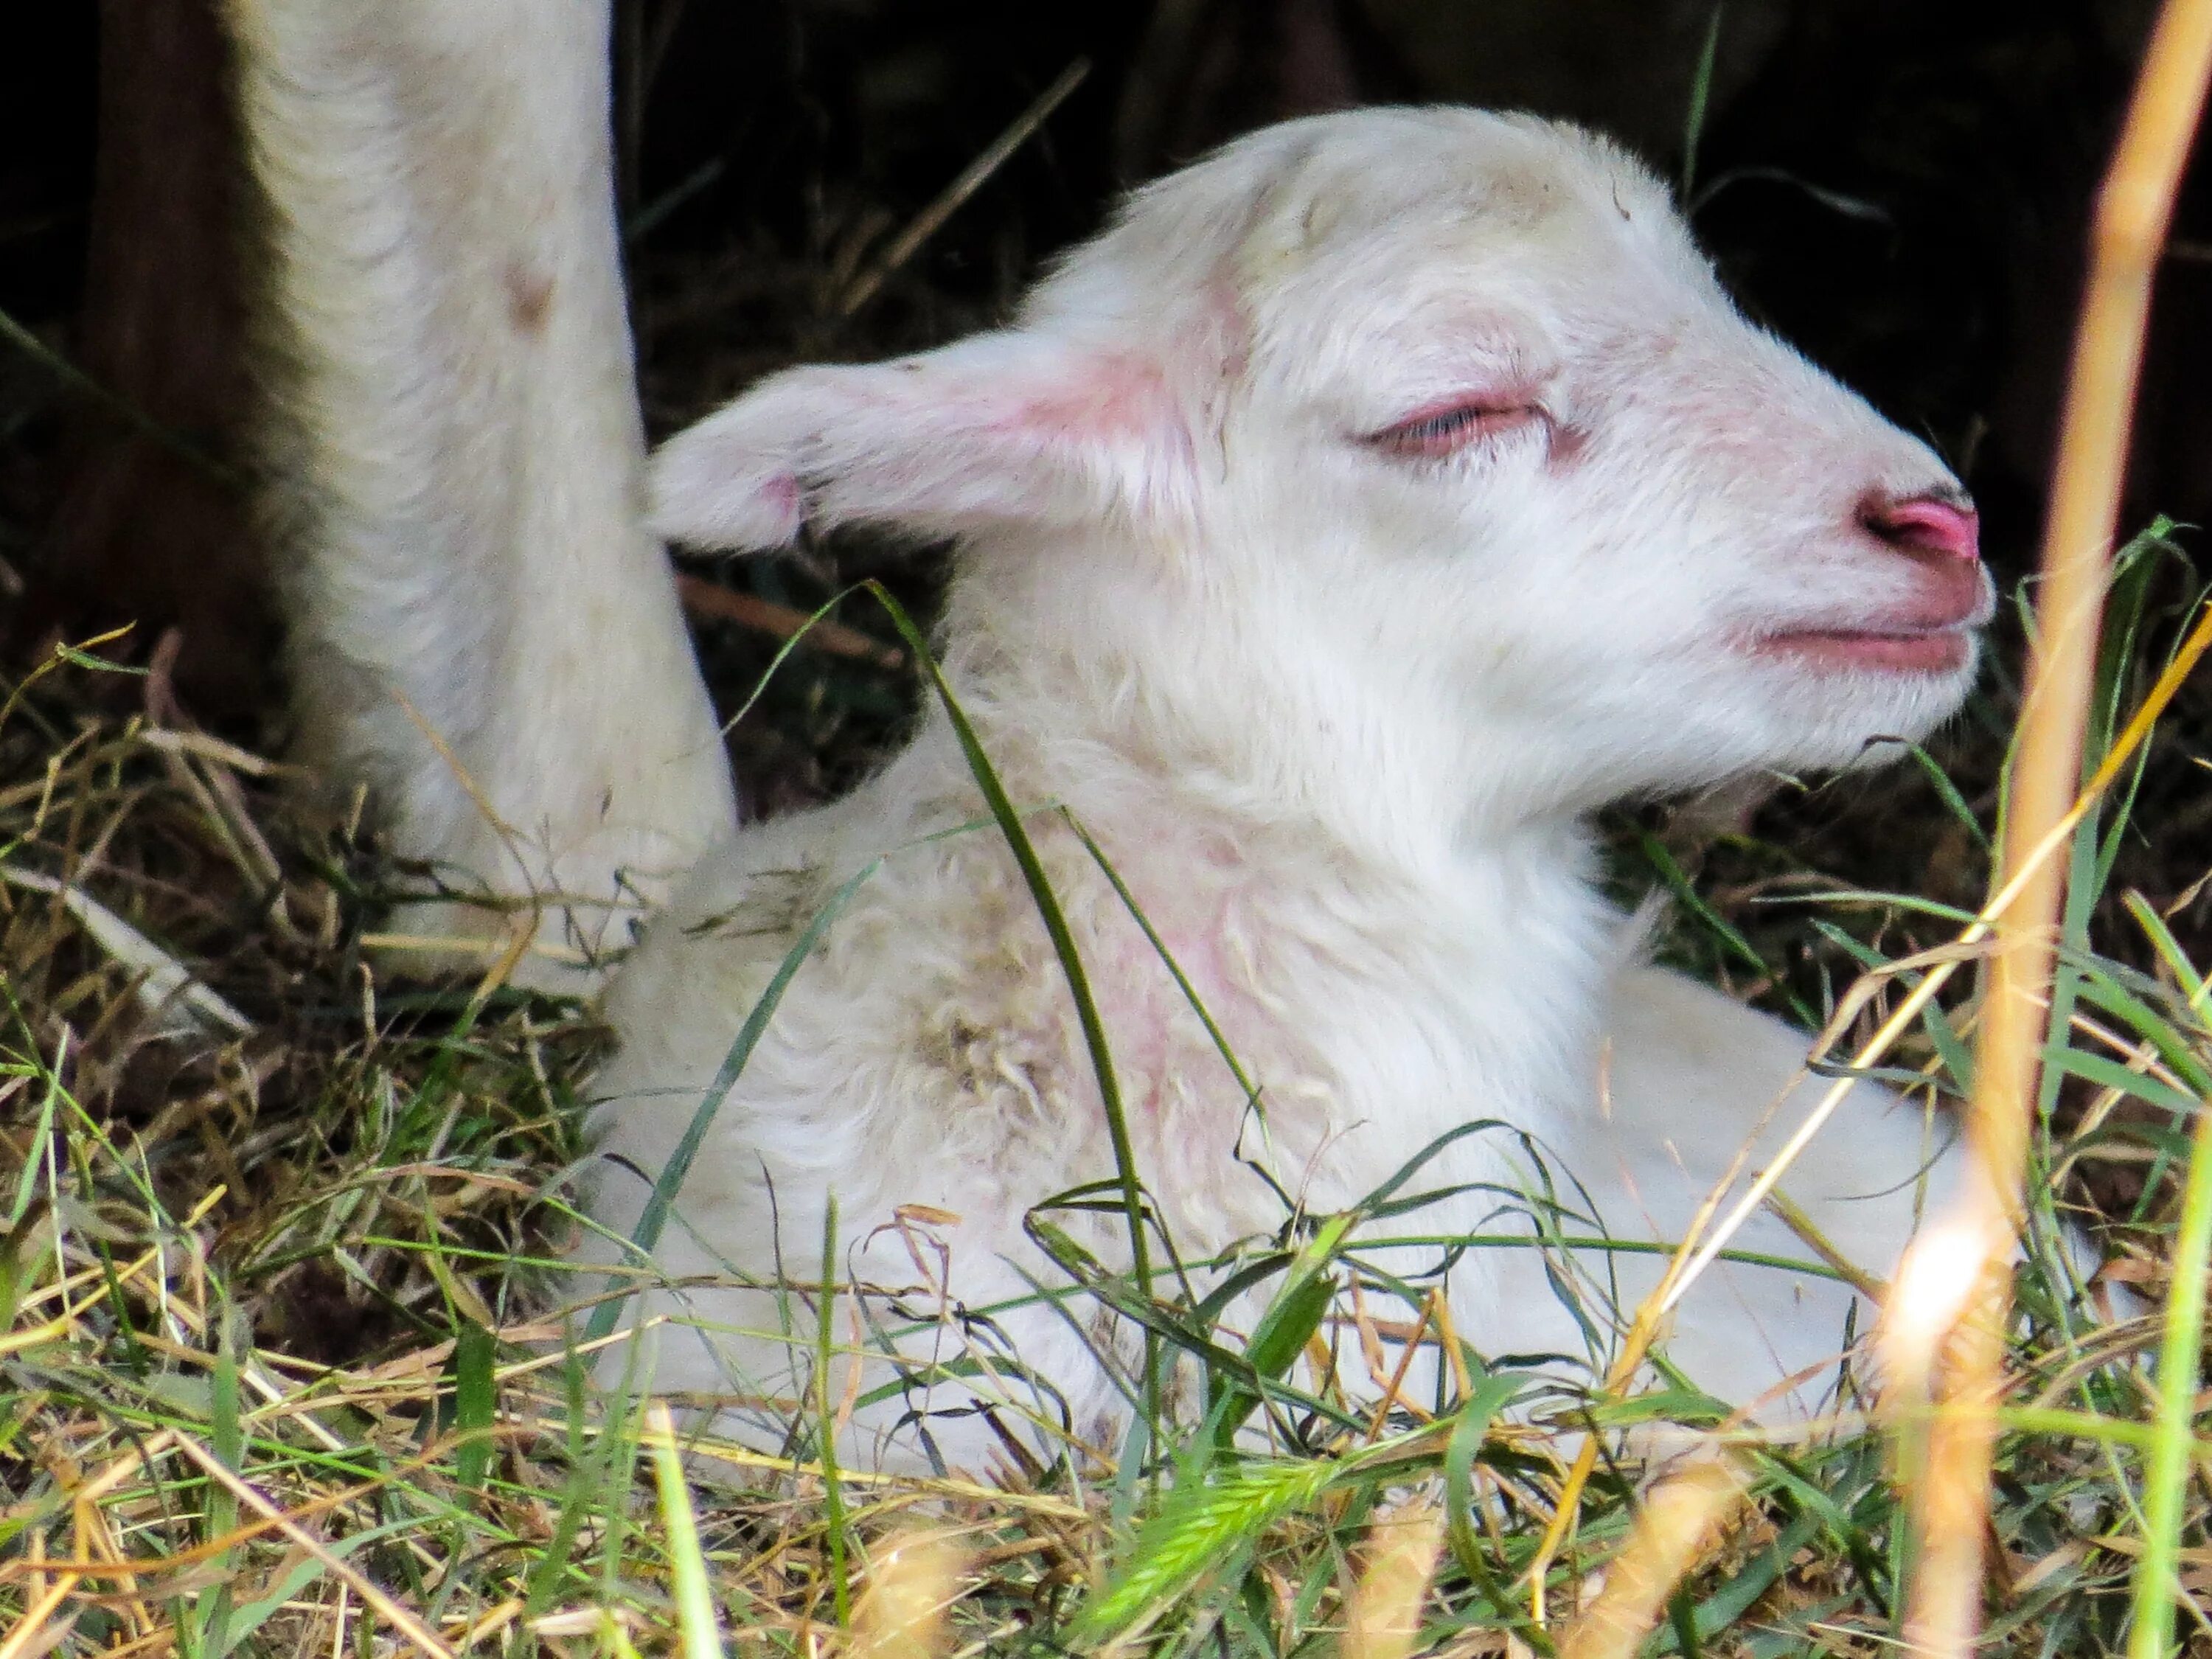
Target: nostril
1924,525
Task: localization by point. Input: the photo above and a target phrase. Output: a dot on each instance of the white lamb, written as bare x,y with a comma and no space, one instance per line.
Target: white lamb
1367,505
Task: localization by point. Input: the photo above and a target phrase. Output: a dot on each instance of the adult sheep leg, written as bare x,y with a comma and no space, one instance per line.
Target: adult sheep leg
480,627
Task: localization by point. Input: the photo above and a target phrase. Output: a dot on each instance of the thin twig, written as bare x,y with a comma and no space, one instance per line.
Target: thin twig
711,599
115,404
971,178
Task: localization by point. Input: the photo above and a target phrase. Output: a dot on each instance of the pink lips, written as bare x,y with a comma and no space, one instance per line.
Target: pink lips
1942,651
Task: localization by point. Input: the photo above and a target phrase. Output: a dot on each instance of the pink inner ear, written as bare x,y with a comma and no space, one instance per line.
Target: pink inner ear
1054,432
1112,397
1118,415
779,495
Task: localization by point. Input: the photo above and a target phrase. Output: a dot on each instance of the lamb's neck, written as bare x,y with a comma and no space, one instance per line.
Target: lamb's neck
1489,945
1259,702
1311,830
1521,906
1161,724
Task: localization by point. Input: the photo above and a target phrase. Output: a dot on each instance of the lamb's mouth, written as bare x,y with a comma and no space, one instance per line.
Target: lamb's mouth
1895,651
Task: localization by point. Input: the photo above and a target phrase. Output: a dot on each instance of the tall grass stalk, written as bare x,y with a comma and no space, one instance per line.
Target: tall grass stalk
2133,211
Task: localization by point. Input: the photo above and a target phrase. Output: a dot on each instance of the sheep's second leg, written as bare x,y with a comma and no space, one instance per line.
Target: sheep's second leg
480,626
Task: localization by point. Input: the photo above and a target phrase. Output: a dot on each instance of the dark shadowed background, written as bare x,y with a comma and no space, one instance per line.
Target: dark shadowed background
1900,188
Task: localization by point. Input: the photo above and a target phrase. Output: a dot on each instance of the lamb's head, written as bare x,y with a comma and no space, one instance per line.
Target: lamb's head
1449,403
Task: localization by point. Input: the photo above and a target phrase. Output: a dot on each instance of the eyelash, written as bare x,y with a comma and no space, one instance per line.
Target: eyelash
1446,431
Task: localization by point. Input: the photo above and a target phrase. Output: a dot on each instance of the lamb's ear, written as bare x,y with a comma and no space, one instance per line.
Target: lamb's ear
1013,428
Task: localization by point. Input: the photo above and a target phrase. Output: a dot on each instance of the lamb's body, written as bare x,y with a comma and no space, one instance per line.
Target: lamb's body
1375,1021
1371,503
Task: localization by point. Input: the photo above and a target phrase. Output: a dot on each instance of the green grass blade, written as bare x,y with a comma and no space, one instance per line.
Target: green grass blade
833,1491
476,1404
1701,95
544,1581
1470,1428
1947,792
646,1235
1063,943
34,1157
255,1614
1293,1317
697,1627
2180,1359
228,1440
1686,894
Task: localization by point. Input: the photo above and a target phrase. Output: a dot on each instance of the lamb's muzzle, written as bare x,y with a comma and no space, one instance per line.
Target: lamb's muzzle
1367,504
1932,631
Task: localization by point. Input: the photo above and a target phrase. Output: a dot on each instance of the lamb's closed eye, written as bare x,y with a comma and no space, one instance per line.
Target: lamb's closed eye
1451,425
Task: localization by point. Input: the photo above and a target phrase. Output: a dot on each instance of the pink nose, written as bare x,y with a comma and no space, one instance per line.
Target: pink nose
1926,526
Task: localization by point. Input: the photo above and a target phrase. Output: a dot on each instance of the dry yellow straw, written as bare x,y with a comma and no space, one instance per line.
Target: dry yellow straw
1383,1620
2133,211
1677,1525
906,1613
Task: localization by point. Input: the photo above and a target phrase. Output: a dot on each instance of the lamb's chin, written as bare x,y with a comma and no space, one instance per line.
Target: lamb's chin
1870,733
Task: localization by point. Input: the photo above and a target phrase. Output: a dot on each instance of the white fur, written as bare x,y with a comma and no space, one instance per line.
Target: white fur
457,456
1334,711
